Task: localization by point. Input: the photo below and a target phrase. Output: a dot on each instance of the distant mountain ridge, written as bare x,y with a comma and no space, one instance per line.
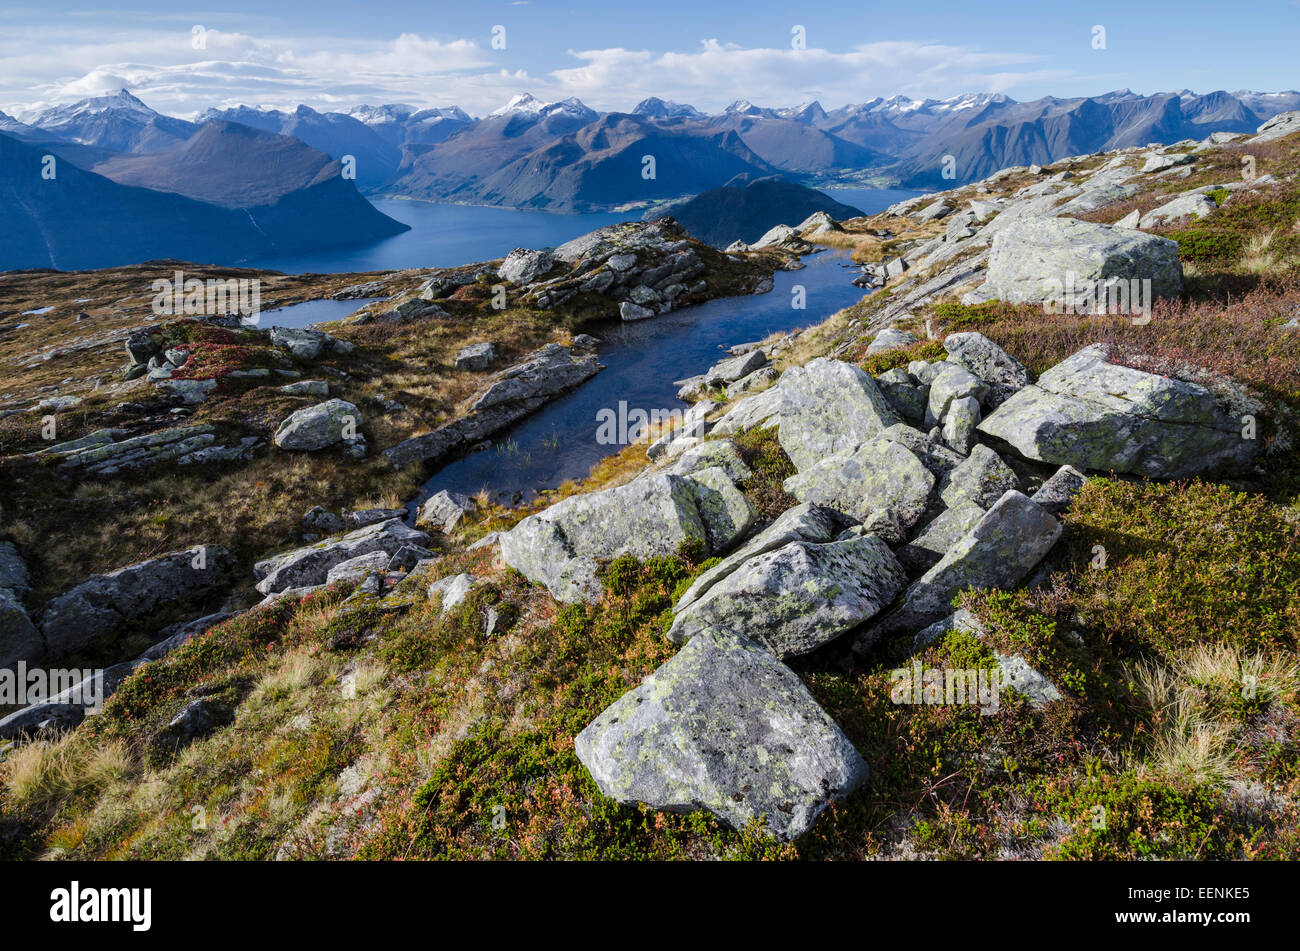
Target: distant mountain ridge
227,193
565,156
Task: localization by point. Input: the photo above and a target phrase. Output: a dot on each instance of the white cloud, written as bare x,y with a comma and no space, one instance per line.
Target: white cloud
162,67
719,73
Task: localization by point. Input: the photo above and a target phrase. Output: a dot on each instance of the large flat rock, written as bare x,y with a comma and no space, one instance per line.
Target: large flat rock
560,547
798,597
1092,414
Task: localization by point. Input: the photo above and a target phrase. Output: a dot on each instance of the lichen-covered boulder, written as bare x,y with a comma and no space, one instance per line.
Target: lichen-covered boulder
735,368
807,523
476,357
1093,414
1057,492
716,452
799,597
959,423
882,485
305,342
355,569
935,456
1184,206
1035,260
907,398
453,590
1002,373
1012,537
761,409
725,727
983,479
726,513
319,426
952,382
443,511
523,266
890,338
560,547
829,407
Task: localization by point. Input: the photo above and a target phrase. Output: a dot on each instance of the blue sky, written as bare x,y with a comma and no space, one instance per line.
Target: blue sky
332,54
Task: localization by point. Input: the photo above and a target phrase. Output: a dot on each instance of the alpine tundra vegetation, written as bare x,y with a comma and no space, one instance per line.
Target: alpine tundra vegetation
978,567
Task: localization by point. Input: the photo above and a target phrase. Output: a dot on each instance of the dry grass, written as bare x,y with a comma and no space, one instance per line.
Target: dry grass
1193,731
42,771
1186,744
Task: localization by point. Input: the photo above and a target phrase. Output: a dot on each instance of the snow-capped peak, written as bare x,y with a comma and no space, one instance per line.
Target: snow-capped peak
121,101
526,104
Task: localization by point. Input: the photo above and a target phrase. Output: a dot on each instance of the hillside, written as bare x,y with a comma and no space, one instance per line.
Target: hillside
745,209
970,569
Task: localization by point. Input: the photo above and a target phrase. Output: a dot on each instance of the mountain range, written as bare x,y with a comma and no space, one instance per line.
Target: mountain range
298,177
565,156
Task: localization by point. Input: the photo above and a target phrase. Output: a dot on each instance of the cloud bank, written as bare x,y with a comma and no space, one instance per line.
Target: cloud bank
182,69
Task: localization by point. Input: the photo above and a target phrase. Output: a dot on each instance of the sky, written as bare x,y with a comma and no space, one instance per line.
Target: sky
334,54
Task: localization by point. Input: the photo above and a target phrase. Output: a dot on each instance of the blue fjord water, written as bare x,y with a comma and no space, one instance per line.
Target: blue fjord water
448,235
641,359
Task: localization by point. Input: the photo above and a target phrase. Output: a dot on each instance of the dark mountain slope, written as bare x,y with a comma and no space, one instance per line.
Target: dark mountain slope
296,194
745,208
602,165
80,219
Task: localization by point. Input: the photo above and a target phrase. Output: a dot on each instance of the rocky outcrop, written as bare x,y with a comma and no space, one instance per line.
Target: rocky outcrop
725,727
100,605
1004,546
511,396
1093,414
560,547
107,452
1278,127
643,268
309,566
